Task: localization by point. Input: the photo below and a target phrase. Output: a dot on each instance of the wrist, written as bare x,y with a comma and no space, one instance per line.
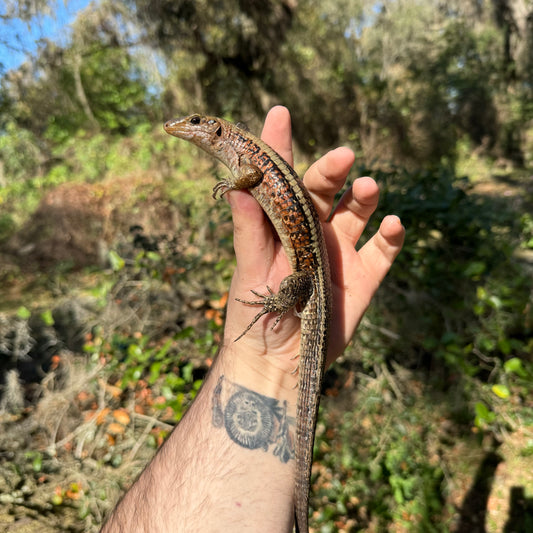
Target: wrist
269,375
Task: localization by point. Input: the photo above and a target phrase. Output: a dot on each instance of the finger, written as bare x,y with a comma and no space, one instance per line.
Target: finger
277,132
355,208
325,178
378,254
249,221
249,225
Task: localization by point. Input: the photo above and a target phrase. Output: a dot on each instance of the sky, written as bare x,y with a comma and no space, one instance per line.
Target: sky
17,38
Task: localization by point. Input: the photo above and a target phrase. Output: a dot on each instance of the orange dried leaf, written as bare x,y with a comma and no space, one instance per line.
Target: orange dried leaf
115,429
220,303
210,314
74,491
55,362
218,319
82,396
100,417
111,389
120,415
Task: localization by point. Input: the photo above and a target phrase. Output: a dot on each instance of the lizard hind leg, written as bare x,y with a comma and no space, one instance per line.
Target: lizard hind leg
271,302
256,318
266,309
294,290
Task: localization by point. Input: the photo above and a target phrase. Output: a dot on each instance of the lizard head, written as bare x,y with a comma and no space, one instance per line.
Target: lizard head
204,131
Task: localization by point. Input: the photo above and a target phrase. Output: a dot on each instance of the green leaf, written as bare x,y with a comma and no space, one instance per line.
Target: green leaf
47,318
37,463
23,312
501,391
482,410
135,351
162,352
117,263
167,393
185,333
155,372
475,269
505,346
186,372
514,366
495,302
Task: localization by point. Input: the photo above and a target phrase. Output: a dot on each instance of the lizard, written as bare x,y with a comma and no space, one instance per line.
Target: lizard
255,166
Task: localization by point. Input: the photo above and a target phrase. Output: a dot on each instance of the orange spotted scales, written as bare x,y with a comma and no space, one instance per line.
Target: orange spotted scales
280,192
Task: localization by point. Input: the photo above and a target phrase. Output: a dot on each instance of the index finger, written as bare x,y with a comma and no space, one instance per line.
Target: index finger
277,132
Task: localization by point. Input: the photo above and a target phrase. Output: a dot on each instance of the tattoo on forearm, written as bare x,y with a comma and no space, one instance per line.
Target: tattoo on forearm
254,421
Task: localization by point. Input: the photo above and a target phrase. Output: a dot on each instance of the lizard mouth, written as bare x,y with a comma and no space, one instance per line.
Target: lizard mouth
177,128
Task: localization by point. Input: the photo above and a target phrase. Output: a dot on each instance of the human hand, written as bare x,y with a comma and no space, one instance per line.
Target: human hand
261,261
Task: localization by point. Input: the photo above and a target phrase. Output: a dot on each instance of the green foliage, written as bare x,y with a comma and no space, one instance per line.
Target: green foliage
141,362
460,283
386,472
526,221
19,153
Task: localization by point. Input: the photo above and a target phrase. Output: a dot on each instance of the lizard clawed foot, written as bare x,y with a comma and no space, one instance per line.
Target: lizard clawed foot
259,295
221,188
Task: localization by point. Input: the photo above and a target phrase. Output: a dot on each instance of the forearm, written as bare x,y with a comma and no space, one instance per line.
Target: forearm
227,466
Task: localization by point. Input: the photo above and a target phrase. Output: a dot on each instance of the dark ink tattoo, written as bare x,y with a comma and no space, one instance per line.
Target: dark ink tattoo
248,420
254,421
217,415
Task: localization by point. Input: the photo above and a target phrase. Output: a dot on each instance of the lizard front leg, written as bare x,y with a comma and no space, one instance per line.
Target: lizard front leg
247,177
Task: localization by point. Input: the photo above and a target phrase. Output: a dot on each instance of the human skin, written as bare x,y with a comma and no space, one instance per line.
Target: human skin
204,478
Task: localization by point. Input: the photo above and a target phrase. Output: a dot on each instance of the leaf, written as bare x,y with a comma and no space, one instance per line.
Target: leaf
514,366
162,352
135,351
475,269
495,302
100,417
23,312
186,372
120,415
116,262
47,317
37,463
501,391
482,411
505,346
115,429
153,256
155,372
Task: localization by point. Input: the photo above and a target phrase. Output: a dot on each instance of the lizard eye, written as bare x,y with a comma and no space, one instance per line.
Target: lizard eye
195,120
